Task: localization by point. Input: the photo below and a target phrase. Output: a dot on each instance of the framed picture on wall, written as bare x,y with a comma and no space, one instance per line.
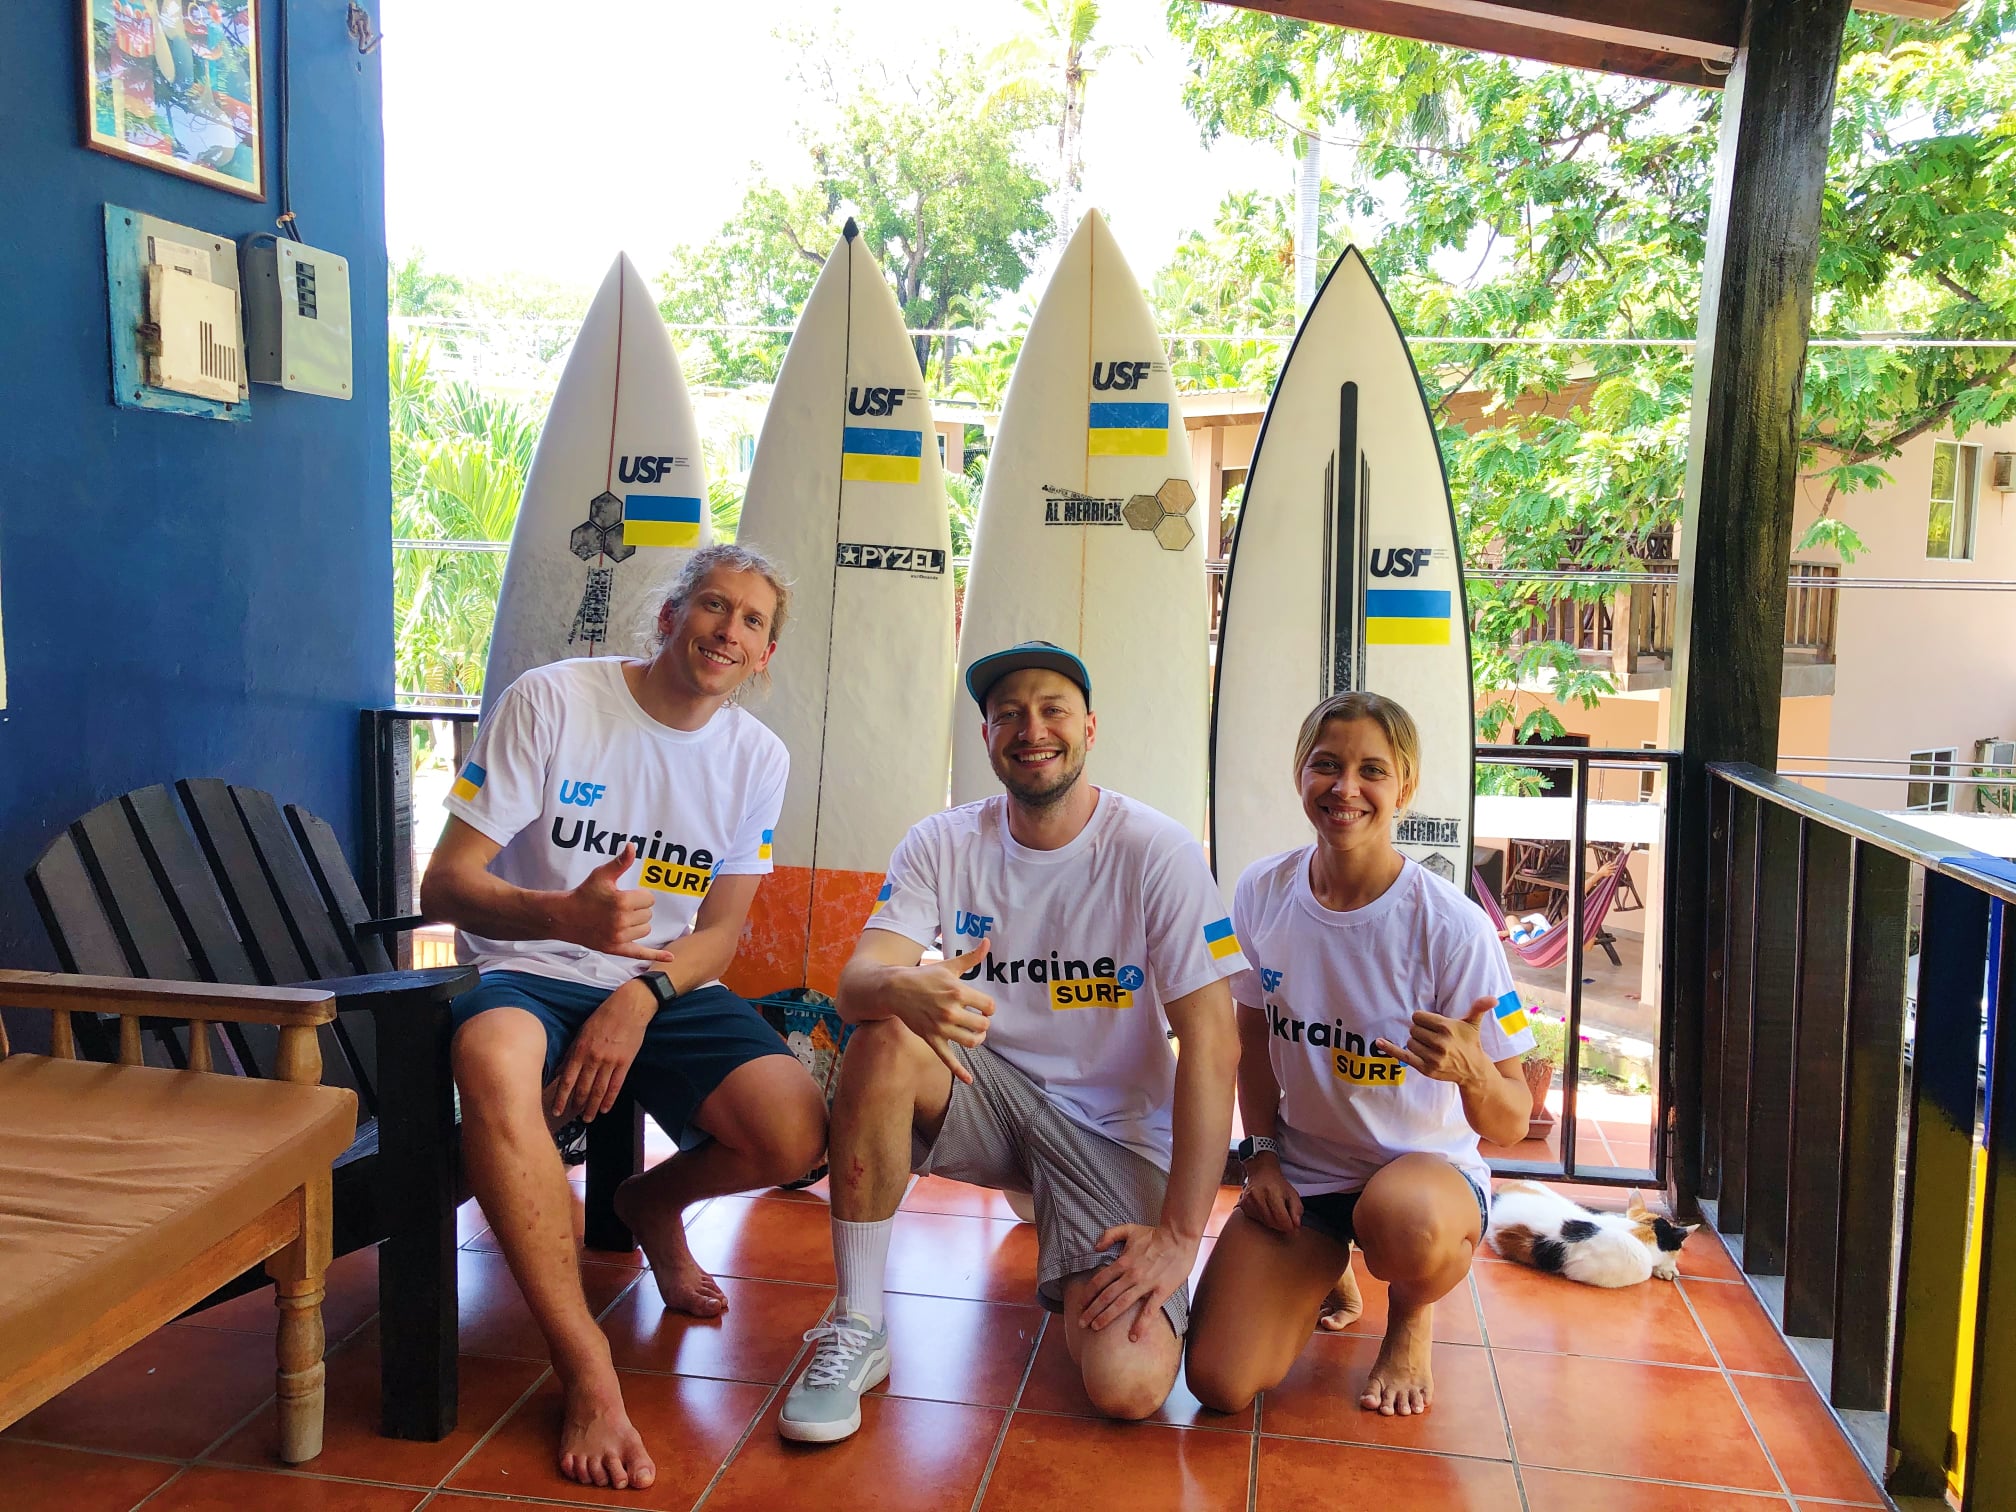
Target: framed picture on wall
174,84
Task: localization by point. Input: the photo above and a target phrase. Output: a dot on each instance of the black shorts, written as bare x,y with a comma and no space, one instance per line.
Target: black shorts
1329,1213
689,1049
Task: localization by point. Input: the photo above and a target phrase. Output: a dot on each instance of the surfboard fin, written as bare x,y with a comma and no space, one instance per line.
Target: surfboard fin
850,230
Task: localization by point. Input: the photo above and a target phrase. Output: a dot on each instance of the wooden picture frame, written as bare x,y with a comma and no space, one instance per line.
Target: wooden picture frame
174,84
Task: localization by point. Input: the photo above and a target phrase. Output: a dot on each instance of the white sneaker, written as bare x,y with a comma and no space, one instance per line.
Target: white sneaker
825,1404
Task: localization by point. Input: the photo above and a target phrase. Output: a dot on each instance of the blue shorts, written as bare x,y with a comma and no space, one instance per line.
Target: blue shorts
689,1049
1330,1212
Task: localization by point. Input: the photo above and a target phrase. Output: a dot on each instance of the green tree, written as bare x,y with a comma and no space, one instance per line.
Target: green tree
459,461
934,165
1522,201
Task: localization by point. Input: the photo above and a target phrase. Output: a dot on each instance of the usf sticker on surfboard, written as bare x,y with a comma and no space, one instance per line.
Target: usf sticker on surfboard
615,498
846,494
1090,535
1345,575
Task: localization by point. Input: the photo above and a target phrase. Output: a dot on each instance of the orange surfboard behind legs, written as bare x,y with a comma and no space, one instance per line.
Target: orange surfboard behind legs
793,906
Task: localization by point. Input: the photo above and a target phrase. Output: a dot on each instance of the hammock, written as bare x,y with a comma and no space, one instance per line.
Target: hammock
1551,948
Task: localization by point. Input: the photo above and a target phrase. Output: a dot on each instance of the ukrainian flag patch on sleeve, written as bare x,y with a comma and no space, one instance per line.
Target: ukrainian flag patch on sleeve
763,850
881,898
1511,1013
1220,941
470,783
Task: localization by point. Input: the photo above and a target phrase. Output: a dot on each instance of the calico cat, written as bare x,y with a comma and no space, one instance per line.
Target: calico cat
1543,1229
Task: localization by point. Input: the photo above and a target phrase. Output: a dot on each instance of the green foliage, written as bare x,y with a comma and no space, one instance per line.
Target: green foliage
1524,200
1550,1036
1239,276
934,166
459,460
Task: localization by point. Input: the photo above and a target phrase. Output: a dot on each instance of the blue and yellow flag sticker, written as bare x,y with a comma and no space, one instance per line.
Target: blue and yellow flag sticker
876,454
1220,941
763,850
1135,429
660,520
470,782
1407,617
1510,1012
882,897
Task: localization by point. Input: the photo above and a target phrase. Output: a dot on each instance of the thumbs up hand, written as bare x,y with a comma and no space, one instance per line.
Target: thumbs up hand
940,1009
1447,1049
604,915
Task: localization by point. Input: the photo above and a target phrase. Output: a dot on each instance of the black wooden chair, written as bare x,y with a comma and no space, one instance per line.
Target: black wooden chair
263,895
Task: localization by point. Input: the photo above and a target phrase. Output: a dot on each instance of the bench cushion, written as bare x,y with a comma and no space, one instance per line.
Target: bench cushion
111,1176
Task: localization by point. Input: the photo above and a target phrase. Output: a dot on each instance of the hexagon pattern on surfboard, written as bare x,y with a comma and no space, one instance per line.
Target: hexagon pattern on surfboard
1090,535
616,498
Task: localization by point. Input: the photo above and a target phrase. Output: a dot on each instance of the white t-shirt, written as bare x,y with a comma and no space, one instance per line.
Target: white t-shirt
568,767
1089,941
1330,983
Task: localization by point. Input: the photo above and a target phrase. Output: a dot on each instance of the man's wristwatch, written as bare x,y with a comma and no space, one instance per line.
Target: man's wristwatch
660,987
1256,1144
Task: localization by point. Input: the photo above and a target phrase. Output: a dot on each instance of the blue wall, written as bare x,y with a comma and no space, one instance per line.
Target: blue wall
181,597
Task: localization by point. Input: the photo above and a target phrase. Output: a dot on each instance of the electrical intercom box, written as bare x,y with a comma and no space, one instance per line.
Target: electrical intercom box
297,317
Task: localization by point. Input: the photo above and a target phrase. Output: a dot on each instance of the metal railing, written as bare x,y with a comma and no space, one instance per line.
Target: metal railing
1583,763
1811,1065
1636,623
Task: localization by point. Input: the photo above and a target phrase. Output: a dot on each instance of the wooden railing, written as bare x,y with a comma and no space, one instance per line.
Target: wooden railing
1649,613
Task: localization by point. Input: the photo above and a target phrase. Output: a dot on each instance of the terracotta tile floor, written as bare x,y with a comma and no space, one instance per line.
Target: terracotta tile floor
1551,1398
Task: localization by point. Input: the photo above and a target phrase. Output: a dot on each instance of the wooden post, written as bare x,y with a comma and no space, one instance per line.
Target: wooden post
1736,535
297,1273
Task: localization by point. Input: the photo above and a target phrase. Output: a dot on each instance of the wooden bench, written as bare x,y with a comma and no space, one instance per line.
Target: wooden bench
128,1192
251,891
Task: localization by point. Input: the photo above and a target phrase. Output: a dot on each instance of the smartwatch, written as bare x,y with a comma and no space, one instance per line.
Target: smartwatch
660,986
1256,1144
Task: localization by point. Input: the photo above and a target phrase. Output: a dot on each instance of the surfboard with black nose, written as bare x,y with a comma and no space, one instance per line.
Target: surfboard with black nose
846,492
1346,574
1090,535
615,500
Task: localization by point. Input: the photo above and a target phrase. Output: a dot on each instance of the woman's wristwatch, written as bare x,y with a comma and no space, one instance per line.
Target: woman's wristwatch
1256,1144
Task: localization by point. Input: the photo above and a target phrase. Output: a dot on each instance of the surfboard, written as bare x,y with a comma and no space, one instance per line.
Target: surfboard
846,493
1089,535
615,499
1345,574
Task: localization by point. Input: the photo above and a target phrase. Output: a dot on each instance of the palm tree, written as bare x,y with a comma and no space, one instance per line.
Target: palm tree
1067,27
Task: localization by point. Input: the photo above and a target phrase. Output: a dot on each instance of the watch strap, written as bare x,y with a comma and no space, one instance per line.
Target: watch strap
1256,1144
660,985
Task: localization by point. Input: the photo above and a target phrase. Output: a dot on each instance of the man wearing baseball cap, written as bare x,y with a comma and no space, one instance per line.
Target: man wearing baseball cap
1078,929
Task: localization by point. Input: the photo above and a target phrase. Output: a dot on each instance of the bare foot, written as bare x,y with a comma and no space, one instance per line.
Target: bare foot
1343,1306
598,1445
661,1231
1400,1383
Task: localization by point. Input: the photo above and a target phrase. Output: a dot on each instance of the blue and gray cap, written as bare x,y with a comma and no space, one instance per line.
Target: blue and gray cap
990,669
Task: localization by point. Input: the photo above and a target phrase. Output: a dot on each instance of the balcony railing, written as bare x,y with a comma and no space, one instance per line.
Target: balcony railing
1816,1055
1648,615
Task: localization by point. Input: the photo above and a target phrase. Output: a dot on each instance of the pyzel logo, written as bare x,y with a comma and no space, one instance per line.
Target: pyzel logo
1403,561
914,559
645,469
1120,375
1420,829
874,401
973,926
582,794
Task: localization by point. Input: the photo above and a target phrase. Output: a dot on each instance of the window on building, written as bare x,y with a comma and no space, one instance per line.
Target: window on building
1956,482
1935,797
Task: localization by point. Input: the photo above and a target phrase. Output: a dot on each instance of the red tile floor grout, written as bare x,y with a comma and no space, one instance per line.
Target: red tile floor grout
1636,1389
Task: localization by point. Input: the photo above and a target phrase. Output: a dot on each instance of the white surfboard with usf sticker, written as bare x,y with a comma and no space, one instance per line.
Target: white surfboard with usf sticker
615,500
1345,575
847,495
1090,536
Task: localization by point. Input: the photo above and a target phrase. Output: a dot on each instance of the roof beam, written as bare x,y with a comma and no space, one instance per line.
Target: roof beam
1681,42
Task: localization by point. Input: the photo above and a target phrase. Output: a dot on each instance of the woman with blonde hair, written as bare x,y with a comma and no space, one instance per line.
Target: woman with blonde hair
1379,1038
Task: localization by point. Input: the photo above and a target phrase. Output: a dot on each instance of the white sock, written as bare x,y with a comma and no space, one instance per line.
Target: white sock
861,1255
